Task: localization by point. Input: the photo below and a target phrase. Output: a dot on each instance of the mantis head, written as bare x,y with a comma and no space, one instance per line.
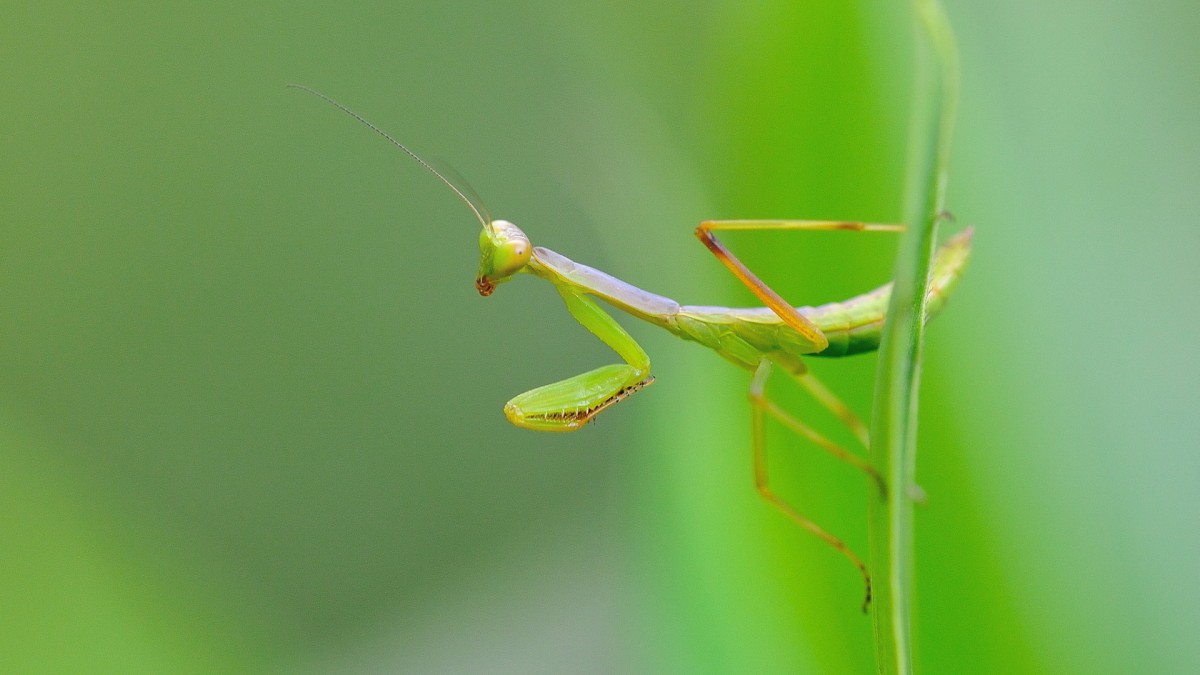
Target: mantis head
504,250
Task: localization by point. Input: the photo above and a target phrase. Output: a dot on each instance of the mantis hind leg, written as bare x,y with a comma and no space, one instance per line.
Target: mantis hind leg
833,404
783,309
806,328
761,406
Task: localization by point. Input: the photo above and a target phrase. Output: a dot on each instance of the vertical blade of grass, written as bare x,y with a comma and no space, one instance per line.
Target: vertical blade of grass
894,419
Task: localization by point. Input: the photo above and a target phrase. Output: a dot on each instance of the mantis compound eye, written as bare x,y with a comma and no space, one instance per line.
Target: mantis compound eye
511,256
511,249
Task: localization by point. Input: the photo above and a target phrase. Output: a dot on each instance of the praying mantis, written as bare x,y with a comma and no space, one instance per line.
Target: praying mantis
759,339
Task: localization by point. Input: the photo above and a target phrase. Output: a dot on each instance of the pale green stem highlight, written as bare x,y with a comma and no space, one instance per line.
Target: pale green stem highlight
894,416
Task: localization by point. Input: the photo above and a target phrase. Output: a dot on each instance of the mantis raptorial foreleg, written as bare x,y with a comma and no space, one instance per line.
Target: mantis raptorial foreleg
760,407
569,404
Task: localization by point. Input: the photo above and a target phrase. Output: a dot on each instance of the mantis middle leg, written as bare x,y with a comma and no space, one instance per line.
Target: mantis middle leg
761,406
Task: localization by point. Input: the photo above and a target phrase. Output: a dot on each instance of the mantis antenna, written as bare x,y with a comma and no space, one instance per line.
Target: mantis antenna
477,210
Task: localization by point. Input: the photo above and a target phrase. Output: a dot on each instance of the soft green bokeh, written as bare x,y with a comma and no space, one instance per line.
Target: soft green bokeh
250,403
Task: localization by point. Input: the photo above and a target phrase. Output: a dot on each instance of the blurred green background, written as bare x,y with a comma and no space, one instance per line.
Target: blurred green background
250,403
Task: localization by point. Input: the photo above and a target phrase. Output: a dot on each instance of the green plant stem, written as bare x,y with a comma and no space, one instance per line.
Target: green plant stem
894,419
